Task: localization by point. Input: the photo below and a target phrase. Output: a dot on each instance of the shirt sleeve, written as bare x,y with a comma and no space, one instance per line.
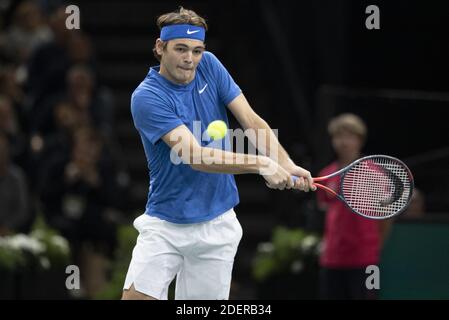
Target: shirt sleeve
228,90
152,116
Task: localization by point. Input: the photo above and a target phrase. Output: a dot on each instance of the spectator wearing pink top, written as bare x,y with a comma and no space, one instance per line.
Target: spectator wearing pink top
351,242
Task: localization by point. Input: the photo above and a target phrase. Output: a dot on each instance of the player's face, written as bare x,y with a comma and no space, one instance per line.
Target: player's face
180,59
347,145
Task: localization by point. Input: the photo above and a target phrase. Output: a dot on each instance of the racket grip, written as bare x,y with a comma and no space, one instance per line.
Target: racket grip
295,178
318,185
314,179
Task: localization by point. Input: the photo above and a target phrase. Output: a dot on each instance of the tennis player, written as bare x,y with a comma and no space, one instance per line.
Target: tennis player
189,229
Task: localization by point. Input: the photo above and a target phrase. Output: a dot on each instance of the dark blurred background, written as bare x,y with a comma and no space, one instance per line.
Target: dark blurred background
79,167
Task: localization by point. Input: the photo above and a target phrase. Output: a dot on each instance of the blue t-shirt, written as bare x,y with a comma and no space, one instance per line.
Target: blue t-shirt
178,193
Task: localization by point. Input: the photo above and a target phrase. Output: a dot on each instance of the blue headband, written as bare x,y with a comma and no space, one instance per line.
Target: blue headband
181,31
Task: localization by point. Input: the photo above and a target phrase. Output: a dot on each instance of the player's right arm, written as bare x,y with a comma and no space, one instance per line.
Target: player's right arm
185,146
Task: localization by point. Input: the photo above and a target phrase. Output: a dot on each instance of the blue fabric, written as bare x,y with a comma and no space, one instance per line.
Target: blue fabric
182,31
178,193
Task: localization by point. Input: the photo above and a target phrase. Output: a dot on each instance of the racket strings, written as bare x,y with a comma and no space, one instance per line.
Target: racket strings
377,187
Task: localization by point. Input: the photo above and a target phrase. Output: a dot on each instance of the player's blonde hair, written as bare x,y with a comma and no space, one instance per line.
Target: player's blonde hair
181,16
348,122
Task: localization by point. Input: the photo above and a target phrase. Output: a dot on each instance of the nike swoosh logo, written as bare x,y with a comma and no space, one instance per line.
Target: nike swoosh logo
202,90
192,32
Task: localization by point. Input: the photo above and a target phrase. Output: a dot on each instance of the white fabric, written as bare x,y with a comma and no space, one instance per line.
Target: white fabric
200,254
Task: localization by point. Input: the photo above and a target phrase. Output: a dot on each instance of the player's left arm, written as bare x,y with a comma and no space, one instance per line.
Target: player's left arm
249,119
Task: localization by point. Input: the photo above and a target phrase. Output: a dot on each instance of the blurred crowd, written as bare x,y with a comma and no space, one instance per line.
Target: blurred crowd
58,158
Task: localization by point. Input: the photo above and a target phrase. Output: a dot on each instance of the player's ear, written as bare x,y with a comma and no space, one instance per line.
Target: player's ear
159,46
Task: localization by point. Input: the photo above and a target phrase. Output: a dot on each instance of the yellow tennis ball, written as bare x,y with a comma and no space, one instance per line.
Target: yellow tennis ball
217,129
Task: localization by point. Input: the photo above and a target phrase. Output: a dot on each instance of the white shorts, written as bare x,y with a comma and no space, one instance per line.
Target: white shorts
200,255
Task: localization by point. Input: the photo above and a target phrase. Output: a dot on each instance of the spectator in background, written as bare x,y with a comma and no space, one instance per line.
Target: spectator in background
67,121
77,195
49,64
83,103
10,87
9,126
80,94
8,121
351,242
14,202
57,144
92,102
80,49
27,31
15,120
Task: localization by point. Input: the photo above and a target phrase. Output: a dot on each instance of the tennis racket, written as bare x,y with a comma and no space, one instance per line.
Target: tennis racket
375,187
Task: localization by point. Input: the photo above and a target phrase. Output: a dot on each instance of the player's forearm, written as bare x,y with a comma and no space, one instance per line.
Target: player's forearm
219,161
267,143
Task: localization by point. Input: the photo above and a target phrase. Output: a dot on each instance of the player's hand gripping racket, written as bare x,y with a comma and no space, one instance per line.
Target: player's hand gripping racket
375,187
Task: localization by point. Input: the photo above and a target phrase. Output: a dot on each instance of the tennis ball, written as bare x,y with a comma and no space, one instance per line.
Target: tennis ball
217,129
